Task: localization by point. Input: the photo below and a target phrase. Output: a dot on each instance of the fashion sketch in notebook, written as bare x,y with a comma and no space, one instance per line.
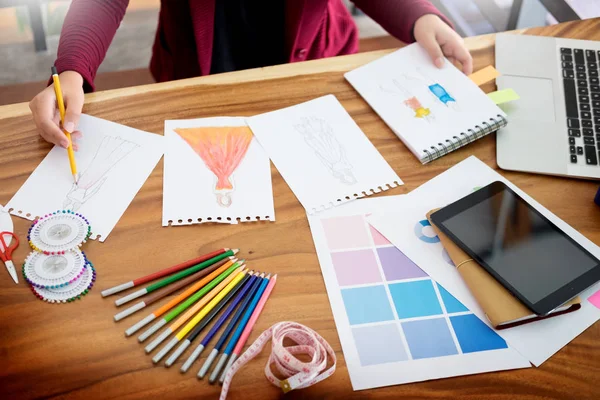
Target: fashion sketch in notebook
432,110
401,88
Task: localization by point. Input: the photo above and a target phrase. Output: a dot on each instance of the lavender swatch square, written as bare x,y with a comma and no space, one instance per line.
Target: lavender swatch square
356,267
397,266
379,344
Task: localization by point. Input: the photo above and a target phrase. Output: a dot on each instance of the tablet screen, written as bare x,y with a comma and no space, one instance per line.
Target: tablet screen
520,245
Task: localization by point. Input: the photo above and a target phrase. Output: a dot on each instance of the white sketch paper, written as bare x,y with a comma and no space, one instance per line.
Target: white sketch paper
423,105
113,162
398,361
215,171
107,156
322,154
537,341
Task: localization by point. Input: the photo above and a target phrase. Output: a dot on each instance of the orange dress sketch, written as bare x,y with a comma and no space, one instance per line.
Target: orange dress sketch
414,104
409,99
221,149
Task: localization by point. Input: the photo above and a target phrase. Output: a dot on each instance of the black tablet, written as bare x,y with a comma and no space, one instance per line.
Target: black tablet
533,258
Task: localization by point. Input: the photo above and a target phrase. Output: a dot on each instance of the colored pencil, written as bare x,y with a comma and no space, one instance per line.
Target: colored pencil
61,110
238,330
222,319
178,299
244,337
229,329
164,272
203,317
173,278
159,294
204,295
217,293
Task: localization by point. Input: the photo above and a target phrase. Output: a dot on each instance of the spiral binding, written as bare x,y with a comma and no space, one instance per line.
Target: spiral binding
462,139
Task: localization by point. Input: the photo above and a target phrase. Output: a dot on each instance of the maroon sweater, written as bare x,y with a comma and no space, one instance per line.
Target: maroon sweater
183,45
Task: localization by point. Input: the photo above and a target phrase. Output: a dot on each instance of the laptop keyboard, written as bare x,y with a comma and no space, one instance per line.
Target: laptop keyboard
582,100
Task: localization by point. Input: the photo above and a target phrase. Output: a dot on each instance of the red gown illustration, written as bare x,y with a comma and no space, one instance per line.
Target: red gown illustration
221,149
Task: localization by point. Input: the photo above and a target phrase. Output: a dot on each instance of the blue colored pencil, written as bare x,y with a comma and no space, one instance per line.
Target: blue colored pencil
238,299
215,352
238,330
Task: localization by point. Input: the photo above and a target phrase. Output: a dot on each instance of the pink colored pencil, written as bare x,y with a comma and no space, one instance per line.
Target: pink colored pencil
246,333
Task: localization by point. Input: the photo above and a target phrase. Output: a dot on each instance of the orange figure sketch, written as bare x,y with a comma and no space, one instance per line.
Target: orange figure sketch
408,98
222,149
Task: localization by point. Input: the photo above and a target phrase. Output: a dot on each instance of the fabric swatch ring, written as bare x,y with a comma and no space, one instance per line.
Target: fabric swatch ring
54,271
67,294
59,232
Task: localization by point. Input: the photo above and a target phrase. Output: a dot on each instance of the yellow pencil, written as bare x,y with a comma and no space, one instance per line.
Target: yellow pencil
61,109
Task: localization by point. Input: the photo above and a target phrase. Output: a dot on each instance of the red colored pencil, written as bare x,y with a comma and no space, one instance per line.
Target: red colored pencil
163,272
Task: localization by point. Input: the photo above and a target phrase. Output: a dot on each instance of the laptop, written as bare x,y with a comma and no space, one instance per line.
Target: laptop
554,128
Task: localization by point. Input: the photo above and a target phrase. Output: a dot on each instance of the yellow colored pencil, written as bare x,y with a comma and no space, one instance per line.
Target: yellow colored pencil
61,109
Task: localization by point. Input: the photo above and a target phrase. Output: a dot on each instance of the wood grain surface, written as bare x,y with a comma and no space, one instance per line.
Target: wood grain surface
76,351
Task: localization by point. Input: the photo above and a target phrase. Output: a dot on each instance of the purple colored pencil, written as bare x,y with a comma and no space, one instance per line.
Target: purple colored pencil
238,299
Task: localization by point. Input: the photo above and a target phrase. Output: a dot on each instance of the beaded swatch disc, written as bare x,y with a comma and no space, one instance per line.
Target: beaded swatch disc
55,270
59,232
69,293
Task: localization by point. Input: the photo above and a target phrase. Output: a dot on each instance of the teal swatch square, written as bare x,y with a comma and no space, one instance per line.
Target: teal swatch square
415,299
367,304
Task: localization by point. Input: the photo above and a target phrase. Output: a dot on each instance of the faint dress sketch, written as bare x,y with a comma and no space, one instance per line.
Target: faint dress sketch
402,87
110,152
318,134
222,149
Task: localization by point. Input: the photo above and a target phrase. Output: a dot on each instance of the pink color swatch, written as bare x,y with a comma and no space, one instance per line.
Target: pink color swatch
378,238
595,299
346,232
356,267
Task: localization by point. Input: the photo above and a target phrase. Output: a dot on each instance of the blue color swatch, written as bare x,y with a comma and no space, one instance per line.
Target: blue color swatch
367,304
452,305
415,299
473,335
379,344
429,338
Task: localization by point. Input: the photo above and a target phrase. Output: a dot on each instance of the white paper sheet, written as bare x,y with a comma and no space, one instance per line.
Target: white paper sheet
193,194
322,154
537,341
395,324
113,163
401,87
6,224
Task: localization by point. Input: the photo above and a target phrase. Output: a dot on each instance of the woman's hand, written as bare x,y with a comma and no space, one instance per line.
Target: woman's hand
440,40
45,110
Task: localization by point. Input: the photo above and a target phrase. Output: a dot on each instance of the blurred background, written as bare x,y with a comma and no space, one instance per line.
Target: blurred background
30,29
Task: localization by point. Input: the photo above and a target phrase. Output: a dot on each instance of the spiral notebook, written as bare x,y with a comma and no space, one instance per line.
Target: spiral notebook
432,110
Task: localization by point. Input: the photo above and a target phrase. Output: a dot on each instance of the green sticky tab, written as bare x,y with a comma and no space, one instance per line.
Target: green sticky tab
503,96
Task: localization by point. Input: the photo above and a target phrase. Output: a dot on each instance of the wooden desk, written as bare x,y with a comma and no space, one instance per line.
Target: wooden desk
77,351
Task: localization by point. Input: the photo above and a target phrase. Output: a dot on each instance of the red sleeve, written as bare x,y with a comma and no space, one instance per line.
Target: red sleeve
89,27
398,17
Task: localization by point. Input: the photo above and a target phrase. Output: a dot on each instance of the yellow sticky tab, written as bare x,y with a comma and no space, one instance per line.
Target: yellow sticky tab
503,96
484,75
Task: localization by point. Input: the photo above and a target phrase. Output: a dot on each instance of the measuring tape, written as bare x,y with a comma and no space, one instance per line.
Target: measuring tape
298,374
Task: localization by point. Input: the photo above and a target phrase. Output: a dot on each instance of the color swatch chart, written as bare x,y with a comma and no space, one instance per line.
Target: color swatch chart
394,315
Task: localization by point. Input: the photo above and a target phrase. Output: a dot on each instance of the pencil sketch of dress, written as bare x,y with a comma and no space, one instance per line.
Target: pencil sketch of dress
318,134
110,152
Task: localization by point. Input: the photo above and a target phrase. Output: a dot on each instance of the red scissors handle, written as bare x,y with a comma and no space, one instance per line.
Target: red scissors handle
6,251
